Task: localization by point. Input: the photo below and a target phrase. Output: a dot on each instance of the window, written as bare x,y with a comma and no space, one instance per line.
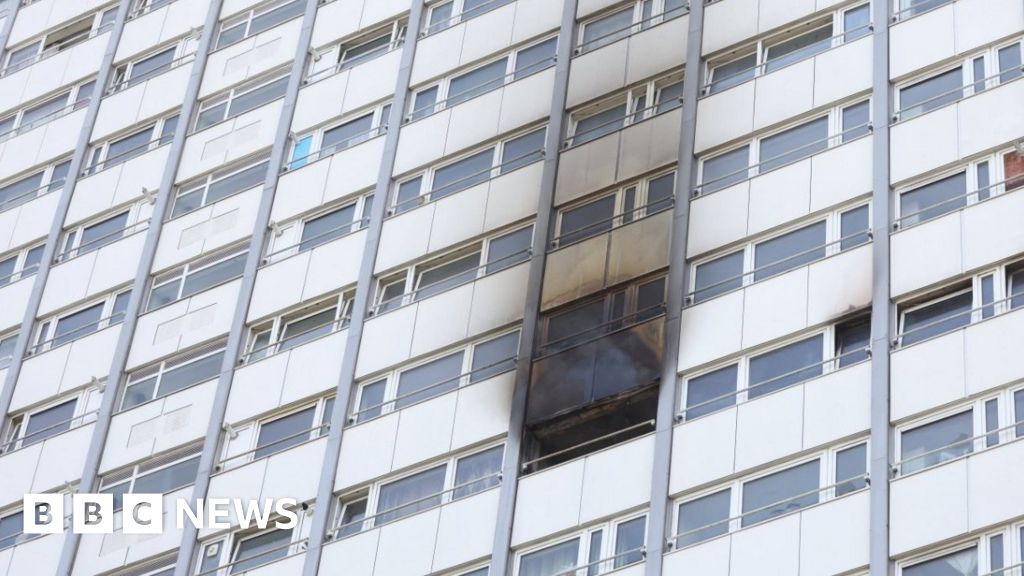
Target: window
69,326
53,107
160,475
27,188
174,374
121,149
196,277
358,50
276,433
139,70
638,15
582,322
763,372
761,498
283,433
39,424
393,499
240,100
627,204
961,563
297,327
408,386
468,171
7,343
842,230
11,530
596,550
20,264
794,45
59,40
257,20
451,270
934,317
332,140
89,237
930,94
910,8
635,105
219,185
781,148
260,549
936,442
467,85
448,13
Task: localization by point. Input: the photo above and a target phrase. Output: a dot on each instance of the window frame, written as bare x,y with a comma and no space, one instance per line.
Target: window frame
122,75
276,326
73,101
458,14
609,531
98,158
131,474
45,48
227,97
85,405
246,17
158,369
642,102
207,180
45,327
379,115
47,183
334,53
640,22
21,257
182,272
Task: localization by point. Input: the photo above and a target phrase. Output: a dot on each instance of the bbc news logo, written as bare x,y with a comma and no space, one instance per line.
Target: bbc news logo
144,513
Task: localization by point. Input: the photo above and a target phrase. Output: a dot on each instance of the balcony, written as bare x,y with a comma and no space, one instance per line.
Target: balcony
131,176
157,23
52,368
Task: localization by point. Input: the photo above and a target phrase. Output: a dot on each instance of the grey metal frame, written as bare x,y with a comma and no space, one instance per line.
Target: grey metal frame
5,32
361,304
97,442
186,553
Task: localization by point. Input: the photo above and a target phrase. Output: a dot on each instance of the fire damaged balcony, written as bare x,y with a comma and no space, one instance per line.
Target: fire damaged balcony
594,380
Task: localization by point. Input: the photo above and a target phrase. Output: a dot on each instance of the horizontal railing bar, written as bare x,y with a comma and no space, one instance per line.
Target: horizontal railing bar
758,68
297,544
21,275
679,12
460,17
420,500
698,190
325,426
336,324
896,117
4,448
129,230
682,412
335,148
147,75
161,141
141,10
897,467
352,63
529,463
13,201
972,311
42,120
356,413
1004,571
641,549
599,330
395,209
53,51
496,82
866,477
355,225
92,327
555,242
866,232
898,223
570,141
897,16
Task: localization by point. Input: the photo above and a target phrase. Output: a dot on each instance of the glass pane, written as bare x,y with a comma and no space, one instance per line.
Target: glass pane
799,48
718,276
594,553
855,121
274,17
348,134
983,181
323,229
629,540
43,112
431,379
597,125
284,433
856,22
851,463
995,553
932,93
786,366
102,233
937,318
494,356
607,30
472,8
551,560
261,549
350,56
725,169
258,97
1009,63
660,192
301,152
478,472
794,144
351,518
237,182
991,422
524,150
77,325
703,518
733,73
168,479
780,493
978,71
933,200
852,340
48,423
18,192
1018,412
408,496
446,276
149,67
853,228
408,195
119,307
987,296
213,275
476,82
463,174
370,399
567,328
7,269
535,58
670,97
789,251
194,372
211,115
309,328
424,103
508,250
440,17
936,442
592,219
138,392
711,392
7,350
962,563
11,529
1013,170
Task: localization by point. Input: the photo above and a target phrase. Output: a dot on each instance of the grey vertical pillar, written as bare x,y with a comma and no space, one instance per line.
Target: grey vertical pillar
5,32
360,305
881,307
660,515
57,226
107,406
500,551
236,336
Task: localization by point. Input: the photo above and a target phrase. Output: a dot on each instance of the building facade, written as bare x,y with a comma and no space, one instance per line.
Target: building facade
517,287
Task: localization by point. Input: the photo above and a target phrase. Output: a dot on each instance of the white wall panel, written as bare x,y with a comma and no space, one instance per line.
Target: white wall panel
48,374
117,185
